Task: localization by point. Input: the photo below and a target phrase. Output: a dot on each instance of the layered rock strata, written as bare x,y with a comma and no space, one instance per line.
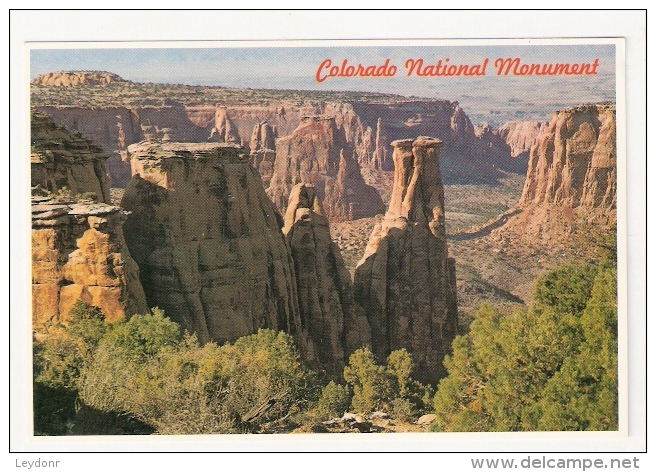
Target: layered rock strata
336,325
318,153
63,161
521,136
208,242
75,78
368,124
79,253
406,281
574,163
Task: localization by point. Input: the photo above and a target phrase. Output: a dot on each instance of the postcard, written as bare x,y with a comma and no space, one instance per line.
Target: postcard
293,239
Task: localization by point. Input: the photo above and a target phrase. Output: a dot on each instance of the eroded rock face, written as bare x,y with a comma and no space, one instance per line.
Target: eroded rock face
318,154
336,326
521,136
61,160
263,150
368,127
116,128
208,242
406,281
79,253
224,130
74,78
574,163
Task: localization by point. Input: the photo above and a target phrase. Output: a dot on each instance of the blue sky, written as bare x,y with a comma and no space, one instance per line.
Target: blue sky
216,66
295,68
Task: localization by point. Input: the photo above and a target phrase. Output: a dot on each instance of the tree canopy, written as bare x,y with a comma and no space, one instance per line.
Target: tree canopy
552,366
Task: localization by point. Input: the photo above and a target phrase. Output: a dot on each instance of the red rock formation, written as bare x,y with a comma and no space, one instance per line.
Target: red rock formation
574,163
224,130
494,151
335,324
263,137
367,127
521,136
78,253
75,78
317,153
208,242
60,160
114,129
406,281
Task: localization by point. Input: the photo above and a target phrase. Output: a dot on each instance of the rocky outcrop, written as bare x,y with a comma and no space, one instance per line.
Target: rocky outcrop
495,152
335,324
406,281
575,161
224,130
63,161
79,253
521,136
208,242
263,150
115,128
74,78
318,154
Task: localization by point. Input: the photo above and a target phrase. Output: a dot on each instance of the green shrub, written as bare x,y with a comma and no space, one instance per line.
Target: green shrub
380,388
335,400
144,369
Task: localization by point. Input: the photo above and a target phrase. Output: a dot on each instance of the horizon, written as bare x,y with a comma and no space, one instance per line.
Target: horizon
486,99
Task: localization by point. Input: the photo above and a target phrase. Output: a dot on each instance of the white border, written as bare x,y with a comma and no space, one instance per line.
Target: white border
94,26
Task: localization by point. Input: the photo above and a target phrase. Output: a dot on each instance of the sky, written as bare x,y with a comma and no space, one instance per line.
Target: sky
486,99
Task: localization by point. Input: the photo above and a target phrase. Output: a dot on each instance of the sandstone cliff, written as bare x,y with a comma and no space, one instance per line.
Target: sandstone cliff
335,324
570,192
317,153
574,163
116,128
79,253
74,78
406,282
521,136
208,242
60,160
368,125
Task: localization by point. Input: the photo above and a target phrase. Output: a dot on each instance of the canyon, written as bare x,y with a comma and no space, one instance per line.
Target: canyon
200,231
120,115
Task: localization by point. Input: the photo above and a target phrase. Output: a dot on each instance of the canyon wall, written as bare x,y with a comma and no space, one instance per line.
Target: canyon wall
574,163
406,281
317,153
368,127
60,160
79,253
114,129
521,136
